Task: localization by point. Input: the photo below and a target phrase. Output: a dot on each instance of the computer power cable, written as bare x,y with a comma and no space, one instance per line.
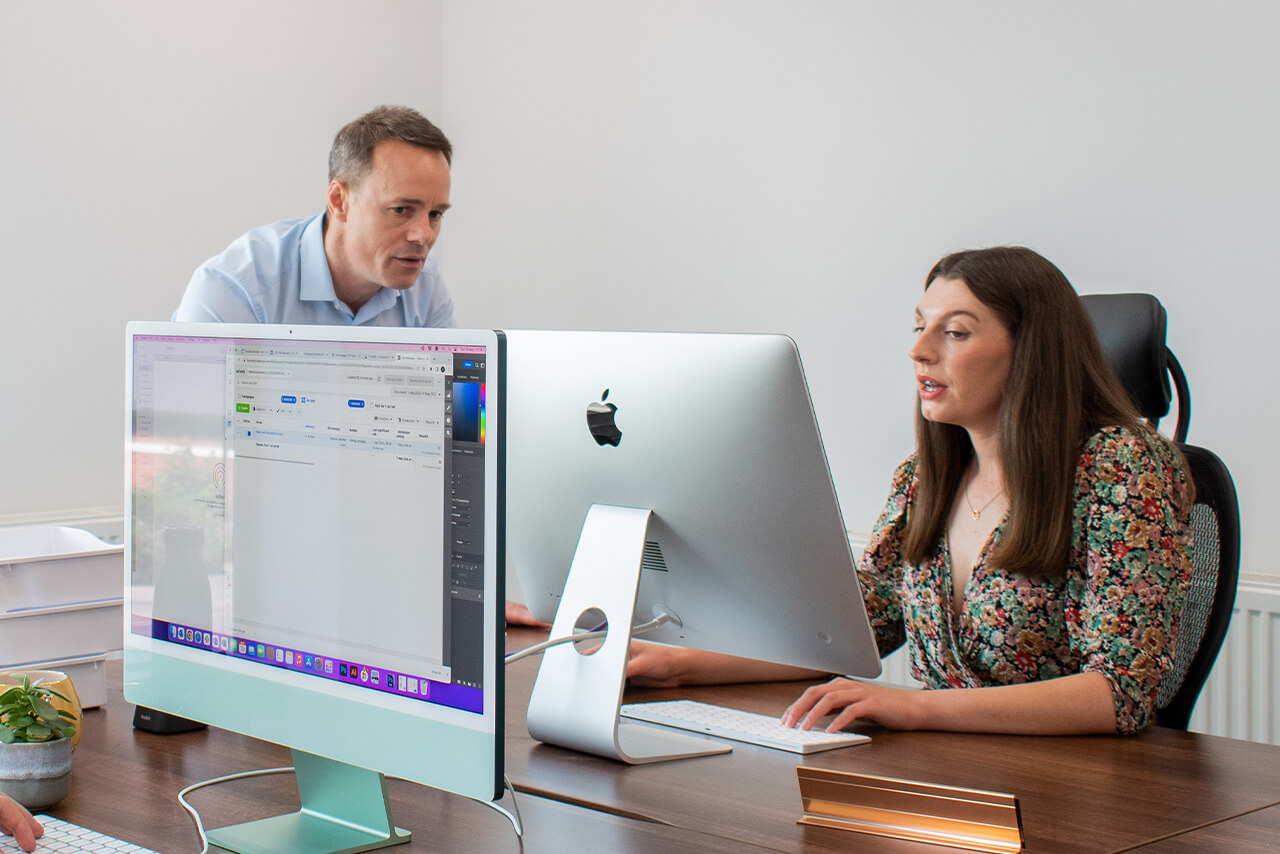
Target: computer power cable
512,815
596,632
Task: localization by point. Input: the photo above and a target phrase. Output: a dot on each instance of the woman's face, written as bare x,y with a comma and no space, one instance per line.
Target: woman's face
962,356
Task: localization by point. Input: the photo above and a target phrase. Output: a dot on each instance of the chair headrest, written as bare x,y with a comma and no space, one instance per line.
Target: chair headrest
1131,330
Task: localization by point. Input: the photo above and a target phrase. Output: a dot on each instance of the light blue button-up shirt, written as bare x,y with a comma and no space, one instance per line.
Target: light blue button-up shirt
279,274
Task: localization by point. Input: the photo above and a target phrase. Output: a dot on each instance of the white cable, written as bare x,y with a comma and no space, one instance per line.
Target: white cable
581,636
195,816
513,815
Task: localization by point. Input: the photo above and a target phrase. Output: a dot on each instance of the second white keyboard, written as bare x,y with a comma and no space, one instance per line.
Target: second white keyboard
738,725
63,837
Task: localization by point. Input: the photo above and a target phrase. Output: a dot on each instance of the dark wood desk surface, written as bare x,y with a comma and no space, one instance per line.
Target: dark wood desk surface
125,783
1253,832
1169,790
1078,794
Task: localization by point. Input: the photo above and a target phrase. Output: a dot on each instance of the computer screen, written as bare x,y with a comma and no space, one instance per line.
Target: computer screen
314,550
714,436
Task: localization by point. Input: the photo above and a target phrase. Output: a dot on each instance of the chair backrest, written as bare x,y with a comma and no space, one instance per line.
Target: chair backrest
1131,329
1215,558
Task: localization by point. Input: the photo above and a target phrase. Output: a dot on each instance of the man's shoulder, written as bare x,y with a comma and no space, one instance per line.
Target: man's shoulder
277,240
261,258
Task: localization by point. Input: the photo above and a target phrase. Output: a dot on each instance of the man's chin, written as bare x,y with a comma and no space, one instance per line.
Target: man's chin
400,281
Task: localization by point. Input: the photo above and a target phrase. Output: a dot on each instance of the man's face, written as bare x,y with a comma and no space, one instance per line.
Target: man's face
392,217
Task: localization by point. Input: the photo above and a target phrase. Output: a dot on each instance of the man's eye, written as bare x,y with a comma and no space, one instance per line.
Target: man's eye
437,215
399,210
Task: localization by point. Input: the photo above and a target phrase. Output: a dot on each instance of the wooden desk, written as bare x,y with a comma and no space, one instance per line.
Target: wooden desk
1167,790
1255,831
125,783
1078,793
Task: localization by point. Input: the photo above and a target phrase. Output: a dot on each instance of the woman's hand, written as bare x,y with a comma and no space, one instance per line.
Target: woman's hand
895,708
654,665
15,821
518,615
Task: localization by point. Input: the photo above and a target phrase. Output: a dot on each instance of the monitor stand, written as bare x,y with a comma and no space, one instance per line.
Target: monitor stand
576,696
344,810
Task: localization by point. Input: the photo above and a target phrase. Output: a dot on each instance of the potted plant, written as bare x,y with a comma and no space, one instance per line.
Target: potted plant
35,745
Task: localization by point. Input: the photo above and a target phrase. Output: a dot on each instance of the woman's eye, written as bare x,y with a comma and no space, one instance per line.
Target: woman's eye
957,334
916,330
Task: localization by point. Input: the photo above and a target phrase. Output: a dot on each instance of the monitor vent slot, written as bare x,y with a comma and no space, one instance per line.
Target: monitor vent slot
652,557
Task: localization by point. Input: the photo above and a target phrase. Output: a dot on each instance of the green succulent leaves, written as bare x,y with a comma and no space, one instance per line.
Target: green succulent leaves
26,715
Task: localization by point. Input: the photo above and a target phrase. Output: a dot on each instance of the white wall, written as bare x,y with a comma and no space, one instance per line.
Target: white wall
799,166
138,139
738,165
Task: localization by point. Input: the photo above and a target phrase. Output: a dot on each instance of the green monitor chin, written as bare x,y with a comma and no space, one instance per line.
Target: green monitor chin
314,558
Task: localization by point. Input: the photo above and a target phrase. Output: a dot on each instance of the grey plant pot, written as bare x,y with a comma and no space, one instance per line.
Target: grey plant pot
36,775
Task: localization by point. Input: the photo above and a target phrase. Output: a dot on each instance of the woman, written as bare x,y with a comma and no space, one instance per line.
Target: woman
1034,552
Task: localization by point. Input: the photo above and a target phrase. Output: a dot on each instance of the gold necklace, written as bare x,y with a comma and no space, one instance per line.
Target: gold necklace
977,514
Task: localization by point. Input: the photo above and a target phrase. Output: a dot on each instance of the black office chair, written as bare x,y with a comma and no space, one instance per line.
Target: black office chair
1131,329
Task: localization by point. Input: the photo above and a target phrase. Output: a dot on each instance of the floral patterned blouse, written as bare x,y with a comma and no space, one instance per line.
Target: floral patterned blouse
1114,612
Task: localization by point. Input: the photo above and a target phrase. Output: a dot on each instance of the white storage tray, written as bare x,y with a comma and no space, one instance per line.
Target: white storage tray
45,566
87,673
71,631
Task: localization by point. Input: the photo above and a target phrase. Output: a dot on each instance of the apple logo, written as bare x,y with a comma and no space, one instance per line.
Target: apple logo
601,424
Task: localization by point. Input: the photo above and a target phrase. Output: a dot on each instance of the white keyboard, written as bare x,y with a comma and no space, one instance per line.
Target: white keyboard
738,725
67,838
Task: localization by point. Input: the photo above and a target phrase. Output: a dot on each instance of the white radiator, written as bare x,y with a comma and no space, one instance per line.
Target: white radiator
1241,698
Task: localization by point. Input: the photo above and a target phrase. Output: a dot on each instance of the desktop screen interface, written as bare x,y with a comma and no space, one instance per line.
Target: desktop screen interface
314,506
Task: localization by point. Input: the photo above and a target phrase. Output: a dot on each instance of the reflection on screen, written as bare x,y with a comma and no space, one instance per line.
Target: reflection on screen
314,506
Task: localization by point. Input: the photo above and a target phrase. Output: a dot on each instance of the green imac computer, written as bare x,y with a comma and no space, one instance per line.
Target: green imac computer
314,558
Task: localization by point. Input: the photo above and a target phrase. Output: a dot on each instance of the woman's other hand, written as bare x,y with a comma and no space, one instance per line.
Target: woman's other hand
518,615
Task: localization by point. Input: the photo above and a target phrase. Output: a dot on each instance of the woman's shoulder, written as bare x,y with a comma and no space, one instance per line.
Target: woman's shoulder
1135,458
1128,447
904,477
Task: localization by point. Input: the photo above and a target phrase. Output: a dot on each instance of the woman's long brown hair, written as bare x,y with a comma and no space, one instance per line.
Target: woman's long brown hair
1060,391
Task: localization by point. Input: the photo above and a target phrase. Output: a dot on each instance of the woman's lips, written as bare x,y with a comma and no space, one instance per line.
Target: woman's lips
929,388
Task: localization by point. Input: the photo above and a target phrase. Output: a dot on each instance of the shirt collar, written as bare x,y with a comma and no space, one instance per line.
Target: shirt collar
317,281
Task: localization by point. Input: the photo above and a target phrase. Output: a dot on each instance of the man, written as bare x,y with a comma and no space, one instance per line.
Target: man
366,260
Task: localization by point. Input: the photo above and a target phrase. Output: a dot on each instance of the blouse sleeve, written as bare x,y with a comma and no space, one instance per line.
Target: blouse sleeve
1125,592
880,570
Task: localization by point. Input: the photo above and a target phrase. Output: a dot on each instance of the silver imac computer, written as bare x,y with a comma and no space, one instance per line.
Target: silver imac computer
678,476
314,558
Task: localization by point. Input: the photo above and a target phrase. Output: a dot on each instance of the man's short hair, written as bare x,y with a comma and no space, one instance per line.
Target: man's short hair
352,151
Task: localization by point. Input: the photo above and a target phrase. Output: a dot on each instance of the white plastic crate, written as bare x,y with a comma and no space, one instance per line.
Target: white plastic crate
87,673
47,566
70,631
